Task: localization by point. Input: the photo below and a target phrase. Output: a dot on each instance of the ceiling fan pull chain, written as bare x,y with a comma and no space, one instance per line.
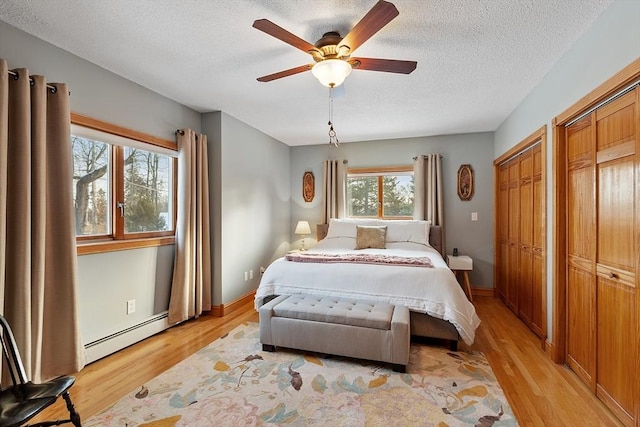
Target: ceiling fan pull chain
333,138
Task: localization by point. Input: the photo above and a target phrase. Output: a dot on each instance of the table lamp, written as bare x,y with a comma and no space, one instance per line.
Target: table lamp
303,229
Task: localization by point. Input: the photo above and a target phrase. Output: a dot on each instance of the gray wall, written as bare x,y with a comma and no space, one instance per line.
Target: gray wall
108,280
474,238
612,43
251,193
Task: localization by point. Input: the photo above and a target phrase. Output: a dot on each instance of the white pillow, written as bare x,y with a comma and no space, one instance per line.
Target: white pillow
408,231
340,228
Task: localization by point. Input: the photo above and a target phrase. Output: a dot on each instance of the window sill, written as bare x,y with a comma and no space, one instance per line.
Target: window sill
85,248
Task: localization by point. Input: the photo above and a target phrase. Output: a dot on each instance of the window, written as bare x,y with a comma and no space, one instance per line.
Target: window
123,188
385,193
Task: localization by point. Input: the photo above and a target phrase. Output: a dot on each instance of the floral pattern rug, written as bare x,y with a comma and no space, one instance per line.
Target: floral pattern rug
232,382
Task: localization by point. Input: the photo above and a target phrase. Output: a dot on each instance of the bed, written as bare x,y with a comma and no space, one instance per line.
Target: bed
393,270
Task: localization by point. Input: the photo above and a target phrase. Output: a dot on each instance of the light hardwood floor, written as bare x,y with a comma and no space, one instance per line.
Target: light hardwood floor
540,392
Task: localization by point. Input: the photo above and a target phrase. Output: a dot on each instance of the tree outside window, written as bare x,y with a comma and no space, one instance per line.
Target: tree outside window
147,179
380,193
91,193
121,191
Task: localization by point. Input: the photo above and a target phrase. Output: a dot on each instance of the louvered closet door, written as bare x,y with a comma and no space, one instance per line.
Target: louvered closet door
525,256
581,249
617,341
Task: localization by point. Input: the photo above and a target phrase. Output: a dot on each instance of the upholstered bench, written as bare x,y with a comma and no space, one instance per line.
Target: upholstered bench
346,327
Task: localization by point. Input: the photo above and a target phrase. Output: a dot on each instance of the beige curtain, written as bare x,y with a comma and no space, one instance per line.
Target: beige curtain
191,287
334,182
428,195
38,264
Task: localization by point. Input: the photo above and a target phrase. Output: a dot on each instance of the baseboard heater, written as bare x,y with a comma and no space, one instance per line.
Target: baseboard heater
117,341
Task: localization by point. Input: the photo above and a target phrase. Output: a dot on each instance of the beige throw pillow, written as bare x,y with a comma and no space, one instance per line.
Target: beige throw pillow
370,237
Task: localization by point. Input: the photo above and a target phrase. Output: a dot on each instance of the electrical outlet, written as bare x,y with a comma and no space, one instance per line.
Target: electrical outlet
262,269
131,306
250,274
474,216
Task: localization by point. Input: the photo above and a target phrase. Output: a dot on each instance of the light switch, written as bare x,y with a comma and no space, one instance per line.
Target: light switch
474,216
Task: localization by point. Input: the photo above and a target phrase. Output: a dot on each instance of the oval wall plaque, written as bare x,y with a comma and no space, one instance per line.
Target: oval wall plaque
308,186
465,182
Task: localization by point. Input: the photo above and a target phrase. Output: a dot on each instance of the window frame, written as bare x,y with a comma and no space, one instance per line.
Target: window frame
119,240
380,172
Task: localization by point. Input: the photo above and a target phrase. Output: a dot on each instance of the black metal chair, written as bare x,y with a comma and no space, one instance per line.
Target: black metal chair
22,399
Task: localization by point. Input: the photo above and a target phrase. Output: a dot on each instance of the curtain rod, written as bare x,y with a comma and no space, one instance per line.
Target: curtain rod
181,132
423,155
16,76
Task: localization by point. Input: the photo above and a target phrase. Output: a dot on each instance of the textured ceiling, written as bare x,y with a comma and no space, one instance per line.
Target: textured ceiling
477,59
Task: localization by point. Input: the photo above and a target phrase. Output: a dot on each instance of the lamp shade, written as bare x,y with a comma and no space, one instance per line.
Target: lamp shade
303,228
331,72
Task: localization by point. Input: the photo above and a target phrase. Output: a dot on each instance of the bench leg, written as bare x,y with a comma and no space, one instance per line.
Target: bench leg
453,345
268,347
399,368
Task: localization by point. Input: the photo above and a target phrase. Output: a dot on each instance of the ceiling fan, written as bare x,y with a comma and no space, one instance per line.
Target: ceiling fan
332,53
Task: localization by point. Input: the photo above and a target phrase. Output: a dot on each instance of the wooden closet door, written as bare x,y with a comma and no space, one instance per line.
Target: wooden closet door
537,280
503,232
581,249
520,231
525,241
617,341
514,235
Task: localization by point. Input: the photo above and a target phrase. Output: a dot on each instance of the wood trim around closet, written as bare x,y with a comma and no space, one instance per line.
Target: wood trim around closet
618,81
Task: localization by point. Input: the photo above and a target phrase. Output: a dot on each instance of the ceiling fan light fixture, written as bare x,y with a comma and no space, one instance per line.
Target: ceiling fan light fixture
331,72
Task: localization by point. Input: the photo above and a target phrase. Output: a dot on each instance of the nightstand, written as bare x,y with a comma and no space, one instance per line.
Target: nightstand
462,264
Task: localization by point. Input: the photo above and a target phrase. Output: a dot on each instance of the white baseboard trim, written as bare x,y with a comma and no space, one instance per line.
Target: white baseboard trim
115,342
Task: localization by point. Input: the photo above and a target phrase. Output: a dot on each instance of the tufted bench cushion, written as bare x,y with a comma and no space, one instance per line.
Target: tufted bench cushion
374,315
347,327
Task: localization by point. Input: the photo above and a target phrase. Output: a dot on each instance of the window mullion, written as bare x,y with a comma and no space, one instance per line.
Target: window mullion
118,192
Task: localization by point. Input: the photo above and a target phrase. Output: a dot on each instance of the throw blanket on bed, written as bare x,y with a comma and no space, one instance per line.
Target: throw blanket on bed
362,259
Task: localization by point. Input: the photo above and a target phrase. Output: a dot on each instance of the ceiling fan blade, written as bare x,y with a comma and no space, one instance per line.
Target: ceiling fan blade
386,65
380,15
285,73
281,34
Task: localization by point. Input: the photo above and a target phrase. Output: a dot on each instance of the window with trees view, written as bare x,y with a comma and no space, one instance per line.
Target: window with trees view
122,188
380,193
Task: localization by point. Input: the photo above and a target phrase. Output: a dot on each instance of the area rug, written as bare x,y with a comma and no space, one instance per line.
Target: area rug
232,382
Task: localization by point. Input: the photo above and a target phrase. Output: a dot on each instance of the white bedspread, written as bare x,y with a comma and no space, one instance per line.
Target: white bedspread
434,291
